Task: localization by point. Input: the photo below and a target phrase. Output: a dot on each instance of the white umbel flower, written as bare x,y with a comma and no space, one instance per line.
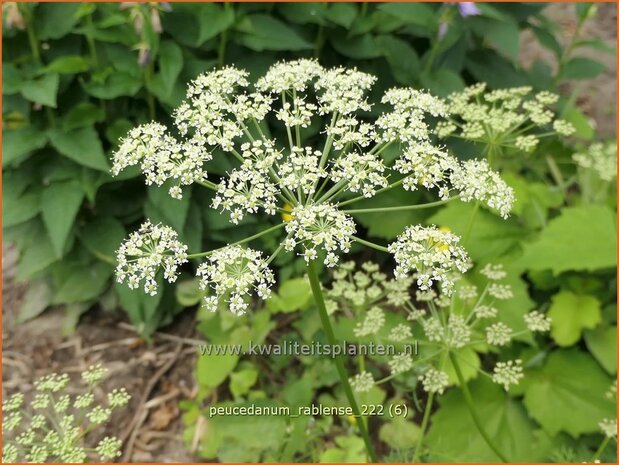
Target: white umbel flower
145,251
234,273
537,322
343,90
508,373
609,427
498,334
363,172
162,157
290,76
601,158
371,324
434,381
300,170
432,253
362,382
320,226
475,180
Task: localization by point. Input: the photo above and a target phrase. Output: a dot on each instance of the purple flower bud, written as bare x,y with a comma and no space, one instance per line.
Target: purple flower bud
468,9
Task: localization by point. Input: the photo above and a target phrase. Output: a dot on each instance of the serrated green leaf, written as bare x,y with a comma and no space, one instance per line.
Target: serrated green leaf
568,393
188,292
60,203
82,146
293,294
242,381
453,436
16,210
400,433
170,66
581,238
342,13
570,314
81,115
116,85
42,90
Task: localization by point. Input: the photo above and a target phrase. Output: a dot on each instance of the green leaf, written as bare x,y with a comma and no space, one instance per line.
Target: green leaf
60,203
163,208
582,68
213,369
116,85
53,21
402,58
82,146
292,295
242,381
188,292
102,237
502,35
419,14
36,257
267,33
443,82
399,433
360,47
568,393
581,122
213,19
16,210
42,90
170,66
453,436
350,449
36,299
570,314
342,14
81,115
581,238
602,343
490,236
84,283
303,13
71,64
20,143
469,365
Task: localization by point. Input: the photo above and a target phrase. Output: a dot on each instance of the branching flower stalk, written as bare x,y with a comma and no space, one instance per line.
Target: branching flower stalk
307,184
53,426
463,318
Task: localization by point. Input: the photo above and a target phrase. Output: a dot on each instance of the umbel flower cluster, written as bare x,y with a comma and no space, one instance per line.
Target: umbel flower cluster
52,426
600,158
466,319
502,119
304,182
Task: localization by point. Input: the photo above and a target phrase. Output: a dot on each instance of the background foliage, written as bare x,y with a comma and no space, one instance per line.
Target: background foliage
77,76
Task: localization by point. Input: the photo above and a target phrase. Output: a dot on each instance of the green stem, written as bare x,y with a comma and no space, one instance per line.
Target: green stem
401,208
371,244
471,406
424,426
601,449
339,363
361,197
469,226
242,241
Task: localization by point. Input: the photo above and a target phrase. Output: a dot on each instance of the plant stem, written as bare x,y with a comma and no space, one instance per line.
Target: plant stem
242,241
424,425
471,406
601,449
400,208
469,226
339,363
371,244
